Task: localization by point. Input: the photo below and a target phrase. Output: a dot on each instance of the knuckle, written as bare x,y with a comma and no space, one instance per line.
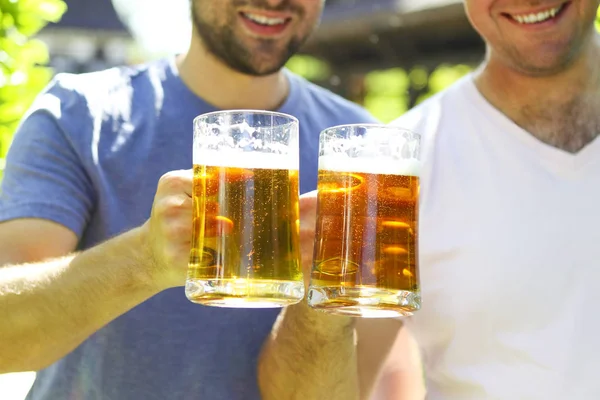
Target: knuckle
163,206
167,179
173,206
174,181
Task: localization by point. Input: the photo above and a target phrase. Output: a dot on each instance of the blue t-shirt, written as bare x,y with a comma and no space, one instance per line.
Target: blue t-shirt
89,155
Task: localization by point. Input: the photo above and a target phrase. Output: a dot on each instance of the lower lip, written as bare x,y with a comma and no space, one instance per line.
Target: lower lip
264,30
545,24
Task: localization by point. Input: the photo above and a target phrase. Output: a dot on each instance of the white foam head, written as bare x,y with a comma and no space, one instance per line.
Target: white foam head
237,159
379,165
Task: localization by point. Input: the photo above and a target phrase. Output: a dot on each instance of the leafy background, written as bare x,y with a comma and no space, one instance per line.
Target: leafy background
22,60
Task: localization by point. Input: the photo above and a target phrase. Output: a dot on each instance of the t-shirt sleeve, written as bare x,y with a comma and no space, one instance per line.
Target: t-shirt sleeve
45,176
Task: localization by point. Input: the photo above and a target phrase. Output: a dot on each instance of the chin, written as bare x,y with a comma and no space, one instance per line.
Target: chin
532,63
545,68
263,68
255,71
268,71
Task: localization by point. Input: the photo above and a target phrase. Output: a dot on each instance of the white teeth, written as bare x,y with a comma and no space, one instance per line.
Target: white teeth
264,20
539,17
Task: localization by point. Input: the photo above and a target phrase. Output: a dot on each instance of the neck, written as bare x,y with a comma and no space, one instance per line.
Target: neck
225,88
555,108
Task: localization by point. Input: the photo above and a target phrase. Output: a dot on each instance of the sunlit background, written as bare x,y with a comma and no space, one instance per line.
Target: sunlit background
384,54
387,55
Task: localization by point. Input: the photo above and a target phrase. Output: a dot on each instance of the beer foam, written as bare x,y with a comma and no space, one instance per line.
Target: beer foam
381,165
247,160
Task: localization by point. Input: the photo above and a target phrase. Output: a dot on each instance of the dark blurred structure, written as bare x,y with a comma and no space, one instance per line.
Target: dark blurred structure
359,36
89,37
95,15
362,35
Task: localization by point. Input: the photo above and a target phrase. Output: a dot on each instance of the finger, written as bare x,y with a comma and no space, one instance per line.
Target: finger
179,181
174,207
308,211
307,199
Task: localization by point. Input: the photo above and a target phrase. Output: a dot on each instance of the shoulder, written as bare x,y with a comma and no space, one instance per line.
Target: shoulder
422,117
94,88
75,101
436,118
330,105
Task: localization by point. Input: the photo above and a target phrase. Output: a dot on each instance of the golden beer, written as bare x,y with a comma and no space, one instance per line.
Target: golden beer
245,238
366,246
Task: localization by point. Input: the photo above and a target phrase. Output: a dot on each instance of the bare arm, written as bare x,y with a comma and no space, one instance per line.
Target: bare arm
309,354
389,363
49,305
376,337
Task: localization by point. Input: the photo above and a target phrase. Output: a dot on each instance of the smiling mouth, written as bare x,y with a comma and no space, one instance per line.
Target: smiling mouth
539,17
265,21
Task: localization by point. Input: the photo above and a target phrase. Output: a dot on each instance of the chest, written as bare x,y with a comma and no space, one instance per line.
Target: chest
508,240
569,126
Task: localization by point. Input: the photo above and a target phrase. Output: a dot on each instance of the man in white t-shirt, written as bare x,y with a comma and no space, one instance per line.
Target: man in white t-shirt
509,229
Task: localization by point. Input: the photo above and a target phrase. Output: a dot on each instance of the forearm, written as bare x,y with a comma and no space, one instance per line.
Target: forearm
309,355
392,368
49,308
400,385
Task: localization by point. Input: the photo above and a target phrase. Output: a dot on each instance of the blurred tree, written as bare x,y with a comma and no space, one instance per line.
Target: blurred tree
387,93
309,67
392,92
22,60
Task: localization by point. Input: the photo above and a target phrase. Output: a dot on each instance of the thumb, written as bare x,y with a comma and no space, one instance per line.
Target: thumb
308,211
308,221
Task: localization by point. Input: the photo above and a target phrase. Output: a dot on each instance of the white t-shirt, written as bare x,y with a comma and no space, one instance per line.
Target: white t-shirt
509,256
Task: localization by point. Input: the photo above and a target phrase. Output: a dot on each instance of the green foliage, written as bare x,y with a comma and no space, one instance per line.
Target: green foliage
22,60
387,93
598,20
442,77
392,92
309,67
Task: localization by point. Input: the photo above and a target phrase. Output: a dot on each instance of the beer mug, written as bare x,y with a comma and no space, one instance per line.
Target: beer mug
366,246
245,242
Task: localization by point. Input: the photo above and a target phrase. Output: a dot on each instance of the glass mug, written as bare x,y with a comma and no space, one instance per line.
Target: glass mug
245,241
366,245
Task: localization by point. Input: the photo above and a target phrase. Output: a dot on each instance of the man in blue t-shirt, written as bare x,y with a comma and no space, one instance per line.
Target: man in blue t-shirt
95,214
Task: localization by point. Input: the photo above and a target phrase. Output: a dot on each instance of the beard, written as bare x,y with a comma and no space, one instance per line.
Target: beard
266,58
